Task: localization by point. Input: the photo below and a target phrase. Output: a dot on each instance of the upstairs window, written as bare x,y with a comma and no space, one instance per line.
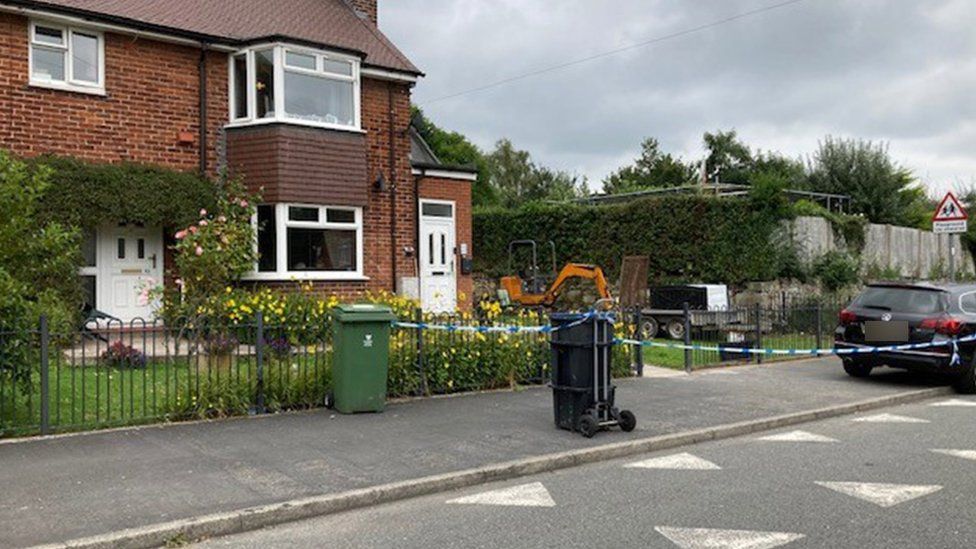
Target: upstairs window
66,58
284,84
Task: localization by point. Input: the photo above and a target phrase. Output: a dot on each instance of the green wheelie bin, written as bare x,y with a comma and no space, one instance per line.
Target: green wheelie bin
361,357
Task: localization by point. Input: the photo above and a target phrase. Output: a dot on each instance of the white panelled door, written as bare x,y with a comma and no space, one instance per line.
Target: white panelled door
438,277
131,259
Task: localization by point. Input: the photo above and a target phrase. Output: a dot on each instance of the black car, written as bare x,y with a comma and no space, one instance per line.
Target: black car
898,313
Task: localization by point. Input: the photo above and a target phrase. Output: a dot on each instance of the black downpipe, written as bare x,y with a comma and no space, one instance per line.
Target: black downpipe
393,188
416,226
203,110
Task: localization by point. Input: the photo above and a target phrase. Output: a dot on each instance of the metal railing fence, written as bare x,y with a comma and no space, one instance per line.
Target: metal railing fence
114,374
799,325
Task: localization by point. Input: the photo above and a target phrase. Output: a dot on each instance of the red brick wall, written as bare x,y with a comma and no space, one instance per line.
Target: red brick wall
365,6
151,96
379,246
460,193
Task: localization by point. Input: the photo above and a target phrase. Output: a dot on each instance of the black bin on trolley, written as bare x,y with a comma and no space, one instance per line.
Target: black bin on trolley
582,388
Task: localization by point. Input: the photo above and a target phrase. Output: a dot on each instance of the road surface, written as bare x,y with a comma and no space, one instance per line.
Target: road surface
897,477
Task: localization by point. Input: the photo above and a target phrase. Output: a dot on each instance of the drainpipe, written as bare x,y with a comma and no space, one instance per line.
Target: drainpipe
416,226
203,109
391,123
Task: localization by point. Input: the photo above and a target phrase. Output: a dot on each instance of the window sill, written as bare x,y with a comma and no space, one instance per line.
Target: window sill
291,122
298,277
63,86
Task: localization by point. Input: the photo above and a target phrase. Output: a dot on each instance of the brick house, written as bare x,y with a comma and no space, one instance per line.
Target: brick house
306,99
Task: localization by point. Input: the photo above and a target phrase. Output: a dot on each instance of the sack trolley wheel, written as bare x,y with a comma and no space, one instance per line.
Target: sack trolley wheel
588,425
627,421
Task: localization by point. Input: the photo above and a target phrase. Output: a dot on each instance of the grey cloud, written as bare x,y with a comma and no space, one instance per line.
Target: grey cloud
893,70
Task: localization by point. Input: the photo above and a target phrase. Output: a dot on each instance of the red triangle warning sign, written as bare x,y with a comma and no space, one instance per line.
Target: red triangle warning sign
950,209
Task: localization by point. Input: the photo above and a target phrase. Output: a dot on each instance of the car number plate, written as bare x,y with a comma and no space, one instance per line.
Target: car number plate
895,331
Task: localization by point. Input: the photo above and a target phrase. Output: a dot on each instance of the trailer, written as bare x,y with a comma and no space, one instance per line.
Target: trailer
708,309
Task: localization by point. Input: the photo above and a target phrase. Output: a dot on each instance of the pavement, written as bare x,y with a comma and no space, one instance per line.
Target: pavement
892,478
64,488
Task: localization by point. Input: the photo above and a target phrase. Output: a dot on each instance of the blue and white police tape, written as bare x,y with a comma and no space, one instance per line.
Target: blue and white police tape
586,317
511,329
810,352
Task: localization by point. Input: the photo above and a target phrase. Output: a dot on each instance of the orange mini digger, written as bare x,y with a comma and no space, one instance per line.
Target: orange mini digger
530,288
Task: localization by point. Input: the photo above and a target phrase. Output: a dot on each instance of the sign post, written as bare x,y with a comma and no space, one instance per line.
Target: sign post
950,218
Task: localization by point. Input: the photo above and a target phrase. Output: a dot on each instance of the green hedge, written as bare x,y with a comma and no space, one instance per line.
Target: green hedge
693,239
85,194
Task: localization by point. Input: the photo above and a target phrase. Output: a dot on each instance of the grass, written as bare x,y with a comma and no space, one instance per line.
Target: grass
675,358
104,396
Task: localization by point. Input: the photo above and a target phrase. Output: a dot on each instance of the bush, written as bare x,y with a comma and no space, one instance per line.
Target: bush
688,238
86,194
836,270
216,250
122,356
38,268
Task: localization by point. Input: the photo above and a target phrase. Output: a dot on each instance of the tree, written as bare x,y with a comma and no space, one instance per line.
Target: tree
455,149
880,189
729,159
651,170
516,179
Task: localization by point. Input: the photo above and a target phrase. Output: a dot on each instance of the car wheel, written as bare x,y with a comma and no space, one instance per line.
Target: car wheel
856,368
966,383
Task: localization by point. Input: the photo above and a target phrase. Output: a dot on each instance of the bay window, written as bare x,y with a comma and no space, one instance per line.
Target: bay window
308,242
66,58
288,84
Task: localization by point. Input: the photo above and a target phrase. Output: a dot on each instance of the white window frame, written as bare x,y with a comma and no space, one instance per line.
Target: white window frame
69,83
282,223
279,86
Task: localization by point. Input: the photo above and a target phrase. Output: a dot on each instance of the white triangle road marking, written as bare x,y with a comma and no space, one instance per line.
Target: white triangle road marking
954,402
883,495
683,461
524,495
797,436
709,538
965,454
890,418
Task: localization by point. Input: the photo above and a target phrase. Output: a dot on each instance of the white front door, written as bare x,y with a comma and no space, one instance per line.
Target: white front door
438,278
130,260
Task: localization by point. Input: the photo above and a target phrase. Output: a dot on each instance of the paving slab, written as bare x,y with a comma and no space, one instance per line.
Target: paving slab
70,487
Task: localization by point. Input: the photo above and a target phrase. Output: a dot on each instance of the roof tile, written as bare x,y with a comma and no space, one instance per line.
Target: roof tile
327,22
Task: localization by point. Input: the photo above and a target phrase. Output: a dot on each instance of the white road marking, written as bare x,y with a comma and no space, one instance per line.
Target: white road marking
798,436
883,495
890,418
525,495
684,461
965,454
954,402
709,538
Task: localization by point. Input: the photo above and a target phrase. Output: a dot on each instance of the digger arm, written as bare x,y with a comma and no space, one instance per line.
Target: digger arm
578,270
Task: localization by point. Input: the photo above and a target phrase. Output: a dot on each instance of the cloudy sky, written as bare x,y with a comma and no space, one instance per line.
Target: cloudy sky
900,71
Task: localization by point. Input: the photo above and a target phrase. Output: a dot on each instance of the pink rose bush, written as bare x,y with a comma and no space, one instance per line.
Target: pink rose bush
215,251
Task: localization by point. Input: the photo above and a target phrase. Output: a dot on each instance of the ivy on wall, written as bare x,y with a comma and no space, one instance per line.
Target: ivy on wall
688,238
86,195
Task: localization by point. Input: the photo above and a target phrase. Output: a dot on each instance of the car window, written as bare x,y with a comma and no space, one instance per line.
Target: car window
903,300
967,303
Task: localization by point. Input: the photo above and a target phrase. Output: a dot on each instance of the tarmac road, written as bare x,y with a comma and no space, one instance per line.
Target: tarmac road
897,477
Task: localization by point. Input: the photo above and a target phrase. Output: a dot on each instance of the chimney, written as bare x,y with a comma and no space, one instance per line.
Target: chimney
365,8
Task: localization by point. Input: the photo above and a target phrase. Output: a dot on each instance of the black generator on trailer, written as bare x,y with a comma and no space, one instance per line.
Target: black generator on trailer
582,388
